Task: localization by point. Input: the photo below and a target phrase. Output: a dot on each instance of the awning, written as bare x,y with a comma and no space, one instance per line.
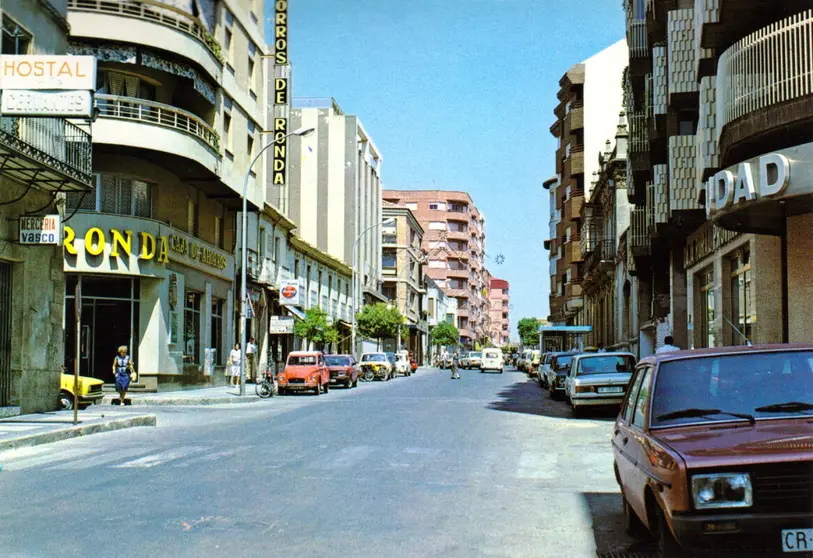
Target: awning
295,312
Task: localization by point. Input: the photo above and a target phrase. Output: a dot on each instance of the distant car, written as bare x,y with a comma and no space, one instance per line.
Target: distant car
474,359
90,391
713,451
597,379
532,364
544,369
343,370
402,364
304,371
559,370
378,364
492,360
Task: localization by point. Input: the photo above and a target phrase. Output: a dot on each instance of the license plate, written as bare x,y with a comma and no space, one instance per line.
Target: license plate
611,389
797,540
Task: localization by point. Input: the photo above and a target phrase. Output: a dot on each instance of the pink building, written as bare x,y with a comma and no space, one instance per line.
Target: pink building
500,324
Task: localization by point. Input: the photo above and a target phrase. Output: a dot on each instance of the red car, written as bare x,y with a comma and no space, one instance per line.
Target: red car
304,371
343,370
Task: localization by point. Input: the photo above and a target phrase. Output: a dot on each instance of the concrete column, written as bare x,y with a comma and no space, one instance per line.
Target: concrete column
206,326
800,287
678,313
153,343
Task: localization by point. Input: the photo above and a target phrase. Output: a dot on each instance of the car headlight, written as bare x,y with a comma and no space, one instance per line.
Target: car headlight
722,490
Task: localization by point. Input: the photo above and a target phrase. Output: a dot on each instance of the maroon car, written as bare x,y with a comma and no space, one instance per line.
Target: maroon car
343,370
713,450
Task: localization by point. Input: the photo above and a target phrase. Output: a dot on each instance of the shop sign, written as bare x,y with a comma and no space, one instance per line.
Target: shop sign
280,325
197,252
280,147
65,104
121,243
290,293
281,32
767,176
47,72
41,230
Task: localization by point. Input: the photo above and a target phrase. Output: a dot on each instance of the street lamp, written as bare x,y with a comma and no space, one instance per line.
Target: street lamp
386,221
244,256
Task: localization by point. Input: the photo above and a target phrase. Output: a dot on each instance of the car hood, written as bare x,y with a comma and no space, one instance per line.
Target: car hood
339,367
299,371
740,443
611,378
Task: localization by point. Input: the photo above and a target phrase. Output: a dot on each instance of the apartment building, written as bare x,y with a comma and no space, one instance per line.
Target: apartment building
439,308
499,312
589,99
36,168
402,265
334,180
181,105
454,244
718,170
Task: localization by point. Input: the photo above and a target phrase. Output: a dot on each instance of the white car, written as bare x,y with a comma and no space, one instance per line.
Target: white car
492,359
402,363
598,379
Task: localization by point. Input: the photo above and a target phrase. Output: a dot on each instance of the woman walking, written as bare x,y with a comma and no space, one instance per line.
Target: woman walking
123,369
235,358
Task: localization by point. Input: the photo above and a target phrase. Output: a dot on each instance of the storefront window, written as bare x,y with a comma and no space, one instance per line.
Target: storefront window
118,195
706,309
742,308
217,327
191,327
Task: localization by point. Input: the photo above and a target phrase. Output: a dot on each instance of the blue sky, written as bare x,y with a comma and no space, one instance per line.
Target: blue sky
458,95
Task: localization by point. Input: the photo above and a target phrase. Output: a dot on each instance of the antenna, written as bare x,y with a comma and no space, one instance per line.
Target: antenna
747,341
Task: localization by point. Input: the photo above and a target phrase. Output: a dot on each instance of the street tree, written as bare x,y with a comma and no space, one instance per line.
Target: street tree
528,331
444,334
315,328
379,321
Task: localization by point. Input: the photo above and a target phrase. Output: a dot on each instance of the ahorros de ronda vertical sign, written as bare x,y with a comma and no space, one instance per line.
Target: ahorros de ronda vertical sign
280,92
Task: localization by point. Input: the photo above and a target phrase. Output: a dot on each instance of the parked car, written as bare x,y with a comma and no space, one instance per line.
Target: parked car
524,360
402,364
598,379
378,364
533,362
473,360
492,360
90,391
544,369
343,369
559,369
713,450
304,370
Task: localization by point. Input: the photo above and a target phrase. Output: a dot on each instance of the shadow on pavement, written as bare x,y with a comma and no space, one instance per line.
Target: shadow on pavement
608,528
525,396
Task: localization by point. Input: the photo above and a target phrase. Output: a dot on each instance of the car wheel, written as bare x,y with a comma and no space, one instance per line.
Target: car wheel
356,382
65,401
668,547
576,411
632,523
327,387
501,370
318,389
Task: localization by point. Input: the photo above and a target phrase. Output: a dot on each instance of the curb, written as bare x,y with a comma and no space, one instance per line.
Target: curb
77,431
180,401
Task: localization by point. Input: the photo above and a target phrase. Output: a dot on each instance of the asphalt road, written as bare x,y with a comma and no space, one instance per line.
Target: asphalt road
415,467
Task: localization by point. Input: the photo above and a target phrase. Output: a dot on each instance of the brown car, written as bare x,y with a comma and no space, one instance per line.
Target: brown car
343,370
304,371
713,450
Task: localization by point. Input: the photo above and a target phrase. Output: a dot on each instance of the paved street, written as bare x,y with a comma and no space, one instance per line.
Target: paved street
420,466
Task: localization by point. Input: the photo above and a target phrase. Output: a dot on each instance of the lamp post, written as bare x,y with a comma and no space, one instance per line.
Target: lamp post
244,255
354,302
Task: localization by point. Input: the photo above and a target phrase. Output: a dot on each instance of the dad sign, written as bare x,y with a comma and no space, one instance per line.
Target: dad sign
767,176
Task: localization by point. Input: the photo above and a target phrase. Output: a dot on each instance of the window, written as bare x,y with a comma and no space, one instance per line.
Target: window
118,195
296,269
217,327
437,226
227,106
411,205
437,206
639,412
228,44
261,247
275,253
705,300
16,40
192,217
191,327
252,81
389,260
250,142
219,232
743,314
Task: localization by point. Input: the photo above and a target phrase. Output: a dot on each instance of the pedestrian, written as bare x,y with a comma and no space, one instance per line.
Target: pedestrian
251,360
668,345
123,369
601,348
455,362
235,357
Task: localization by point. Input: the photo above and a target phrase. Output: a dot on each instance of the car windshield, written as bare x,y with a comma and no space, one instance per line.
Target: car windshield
475,355
374,358
765,385
562,362
337,361
303,360
606,365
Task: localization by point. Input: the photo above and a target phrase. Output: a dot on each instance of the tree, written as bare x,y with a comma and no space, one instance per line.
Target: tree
315,328
528,331
379,321
444,334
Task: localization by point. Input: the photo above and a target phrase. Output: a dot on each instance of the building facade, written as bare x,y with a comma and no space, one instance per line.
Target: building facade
586,116
718,170
37,168
181,105
499,312
454,244
402,264
439,308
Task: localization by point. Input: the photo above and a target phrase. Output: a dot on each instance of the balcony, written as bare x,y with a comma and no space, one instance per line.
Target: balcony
639,132
574,164
576,116
575,297
458,235
254,267
158,127
760,73
457,273
637,38
639,237
682,174
49,153
602,256
681,54
572,251
148,23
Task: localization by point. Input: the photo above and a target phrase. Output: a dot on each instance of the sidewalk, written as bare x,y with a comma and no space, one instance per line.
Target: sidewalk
222,395
45,428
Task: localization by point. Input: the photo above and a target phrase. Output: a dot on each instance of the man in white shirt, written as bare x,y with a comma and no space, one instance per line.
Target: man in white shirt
668,346
251,360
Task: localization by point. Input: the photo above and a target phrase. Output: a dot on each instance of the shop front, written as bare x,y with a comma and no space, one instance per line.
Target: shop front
164,294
